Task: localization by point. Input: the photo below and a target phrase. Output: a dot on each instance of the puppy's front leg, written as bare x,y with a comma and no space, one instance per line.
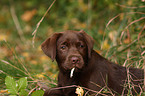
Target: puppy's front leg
53,92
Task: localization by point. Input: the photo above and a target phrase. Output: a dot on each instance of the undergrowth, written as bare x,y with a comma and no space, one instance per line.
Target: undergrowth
118,28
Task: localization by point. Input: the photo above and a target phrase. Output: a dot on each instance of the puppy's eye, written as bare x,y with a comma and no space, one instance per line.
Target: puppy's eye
63,47
81,46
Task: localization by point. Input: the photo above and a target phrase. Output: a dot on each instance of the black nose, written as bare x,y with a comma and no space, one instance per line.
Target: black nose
75,60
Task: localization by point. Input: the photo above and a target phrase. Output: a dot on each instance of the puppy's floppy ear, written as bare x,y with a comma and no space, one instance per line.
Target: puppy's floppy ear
89,41
49,45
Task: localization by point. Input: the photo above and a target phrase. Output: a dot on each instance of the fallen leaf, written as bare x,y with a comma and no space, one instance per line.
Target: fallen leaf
3,91
25,54
3,37
112,35
79,91
33,62
40,75
106,45
28,15
127,41
98,51
44,58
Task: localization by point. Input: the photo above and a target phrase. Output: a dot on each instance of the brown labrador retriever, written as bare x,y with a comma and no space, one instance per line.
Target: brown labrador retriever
80,65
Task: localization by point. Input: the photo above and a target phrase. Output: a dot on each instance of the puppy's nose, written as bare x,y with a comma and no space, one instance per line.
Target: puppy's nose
75,60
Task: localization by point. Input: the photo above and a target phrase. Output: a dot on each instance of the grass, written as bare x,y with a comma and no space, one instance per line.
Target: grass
118,36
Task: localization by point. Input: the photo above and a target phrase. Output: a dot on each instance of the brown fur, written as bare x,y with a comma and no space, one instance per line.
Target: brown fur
75,49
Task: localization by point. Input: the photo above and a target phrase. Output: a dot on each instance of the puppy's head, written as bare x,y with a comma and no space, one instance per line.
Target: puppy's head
71,49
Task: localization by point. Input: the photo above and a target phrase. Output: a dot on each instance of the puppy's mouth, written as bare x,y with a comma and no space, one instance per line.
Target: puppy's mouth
73,68
68,66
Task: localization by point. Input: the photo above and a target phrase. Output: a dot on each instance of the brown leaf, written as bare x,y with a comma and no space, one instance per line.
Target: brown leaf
28,15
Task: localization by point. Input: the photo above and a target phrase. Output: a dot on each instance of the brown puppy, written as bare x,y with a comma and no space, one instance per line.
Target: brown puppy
74,50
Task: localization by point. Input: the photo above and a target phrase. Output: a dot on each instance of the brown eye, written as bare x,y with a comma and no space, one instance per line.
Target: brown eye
63,47
81,46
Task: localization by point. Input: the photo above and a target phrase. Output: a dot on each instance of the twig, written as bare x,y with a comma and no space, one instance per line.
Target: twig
141,32
144,74
38,24
89,14
71,86
32,90
1,71
129,25
16,21
13,66
95,84
123,91
93,91
130,44
42,85
124,64
129,7
106,85
86,93
121,14
141,90
23,65
100,91
128,79
113,19
20,63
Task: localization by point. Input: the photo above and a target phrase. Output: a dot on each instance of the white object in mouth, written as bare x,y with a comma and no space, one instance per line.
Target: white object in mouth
71,73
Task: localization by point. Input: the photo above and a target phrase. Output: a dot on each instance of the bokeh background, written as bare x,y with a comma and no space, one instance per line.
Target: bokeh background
117,26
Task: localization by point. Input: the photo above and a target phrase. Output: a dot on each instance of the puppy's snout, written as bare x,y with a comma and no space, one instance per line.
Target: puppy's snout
75,60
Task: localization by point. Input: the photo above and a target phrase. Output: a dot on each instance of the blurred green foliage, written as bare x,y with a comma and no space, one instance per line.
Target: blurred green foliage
122,41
